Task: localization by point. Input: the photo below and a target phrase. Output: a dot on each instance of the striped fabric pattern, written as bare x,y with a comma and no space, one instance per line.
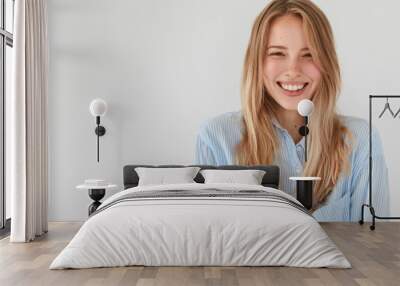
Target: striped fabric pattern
218,137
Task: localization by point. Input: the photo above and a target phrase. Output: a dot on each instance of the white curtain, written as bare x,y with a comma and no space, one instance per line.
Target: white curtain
27,122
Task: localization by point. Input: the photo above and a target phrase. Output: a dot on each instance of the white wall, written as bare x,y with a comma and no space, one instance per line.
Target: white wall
165,66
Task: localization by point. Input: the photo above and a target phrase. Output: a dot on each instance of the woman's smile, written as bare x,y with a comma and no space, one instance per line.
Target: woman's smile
292,88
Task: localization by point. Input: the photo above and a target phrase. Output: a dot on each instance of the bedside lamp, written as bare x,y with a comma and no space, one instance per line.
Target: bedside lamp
305,108
98,108
304,185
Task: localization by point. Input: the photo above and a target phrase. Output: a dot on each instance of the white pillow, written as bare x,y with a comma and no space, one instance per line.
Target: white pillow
249,177
163,176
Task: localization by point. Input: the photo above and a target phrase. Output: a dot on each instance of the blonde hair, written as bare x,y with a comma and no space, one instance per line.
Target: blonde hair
327,149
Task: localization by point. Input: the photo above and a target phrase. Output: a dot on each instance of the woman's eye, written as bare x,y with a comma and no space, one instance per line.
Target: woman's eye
276,54
307,55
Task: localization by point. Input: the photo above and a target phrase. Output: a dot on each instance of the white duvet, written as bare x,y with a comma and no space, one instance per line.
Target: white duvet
200,231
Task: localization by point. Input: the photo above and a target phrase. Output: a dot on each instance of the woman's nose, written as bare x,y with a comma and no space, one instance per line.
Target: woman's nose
293,66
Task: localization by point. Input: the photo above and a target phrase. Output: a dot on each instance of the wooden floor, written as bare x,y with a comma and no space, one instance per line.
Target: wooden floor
374,255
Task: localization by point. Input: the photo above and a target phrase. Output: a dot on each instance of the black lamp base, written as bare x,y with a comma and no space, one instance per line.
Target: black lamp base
304,193
96,195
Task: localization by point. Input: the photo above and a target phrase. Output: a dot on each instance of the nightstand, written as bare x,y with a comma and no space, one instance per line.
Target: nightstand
97,190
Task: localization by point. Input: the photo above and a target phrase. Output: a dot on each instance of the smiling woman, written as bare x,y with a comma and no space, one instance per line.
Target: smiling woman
289,71
291,56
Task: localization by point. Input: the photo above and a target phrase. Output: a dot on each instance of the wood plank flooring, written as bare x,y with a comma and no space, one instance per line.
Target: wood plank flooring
374,255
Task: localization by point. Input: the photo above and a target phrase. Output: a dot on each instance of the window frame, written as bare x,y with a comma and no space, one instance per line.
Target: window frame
6,39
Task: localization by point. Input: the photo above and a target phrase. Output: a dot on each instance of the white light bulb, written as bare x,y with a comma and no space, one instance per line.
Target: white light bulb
305,107
98,107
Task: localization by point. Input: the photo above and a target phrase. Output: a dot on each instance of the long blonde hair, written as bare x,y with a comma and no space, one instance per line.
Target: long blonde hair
327,149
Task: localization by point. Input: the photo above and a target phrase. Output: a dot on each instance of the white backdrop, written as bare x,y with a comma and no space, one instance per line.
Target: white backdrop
164,66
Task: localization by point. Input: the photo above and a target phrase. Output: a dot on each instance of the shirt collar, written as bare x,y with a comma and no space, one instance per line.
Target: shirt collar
276,123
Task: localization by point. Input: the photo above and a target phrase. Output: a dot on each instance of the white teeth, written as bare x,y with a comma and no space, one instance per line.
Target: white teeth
292,87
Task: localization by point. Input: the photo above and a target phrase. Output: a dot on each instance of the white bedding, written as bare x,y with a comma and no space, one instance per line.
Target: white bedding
200,231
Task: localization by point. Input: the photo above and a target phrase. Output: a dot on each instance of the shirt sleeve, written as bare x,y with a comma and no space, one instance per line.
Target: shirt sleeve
360,181
204,154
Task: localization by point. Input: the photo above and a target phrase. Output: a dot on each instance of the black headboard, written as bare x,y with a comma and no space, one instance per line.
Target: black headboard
270,179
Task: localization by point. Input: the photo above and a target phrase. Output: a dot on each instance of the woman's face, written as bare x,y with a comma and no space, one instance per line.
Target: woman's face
290,73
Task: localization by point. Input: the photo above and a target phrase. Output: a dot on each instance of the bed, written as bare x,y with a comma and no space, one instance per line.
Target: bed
201,224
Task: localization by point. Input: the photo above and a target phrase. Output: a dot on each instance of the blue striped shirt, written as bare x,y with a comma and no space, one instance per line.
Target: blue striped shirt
219,136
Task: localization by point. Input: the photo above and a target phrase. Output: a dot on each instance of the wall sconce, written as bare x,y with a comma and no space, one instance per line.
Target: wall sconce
98,108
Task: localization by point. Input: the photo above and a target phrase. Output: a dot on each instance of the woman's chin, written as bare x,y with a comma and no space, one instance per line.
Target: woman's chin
290,105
